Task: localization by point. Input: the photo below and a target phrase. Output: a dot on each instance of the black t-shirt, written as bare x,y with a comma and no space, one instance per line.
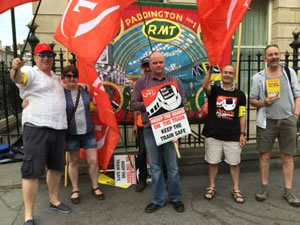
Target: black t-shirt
223,121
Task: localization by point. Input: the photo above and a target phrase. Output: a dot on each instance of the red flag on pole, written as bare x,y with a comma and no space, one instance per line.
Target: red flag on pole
9,4
87,27
106,126
219,20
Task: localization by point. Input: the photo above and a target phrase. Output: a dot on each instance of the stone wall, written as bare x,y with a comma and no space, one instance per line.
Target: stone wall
285,19
49,15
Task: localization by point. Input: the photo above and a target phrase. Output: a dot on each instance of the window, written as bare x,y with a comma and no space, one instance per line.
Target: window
255,33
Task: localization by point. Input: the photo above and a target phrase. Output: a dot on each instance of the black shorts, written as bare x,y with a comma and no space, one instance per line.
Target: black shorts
43,147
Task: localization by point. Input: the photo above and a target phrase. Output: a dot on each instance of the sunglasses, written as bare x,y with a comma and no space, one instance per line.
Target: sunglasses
69,76
46,54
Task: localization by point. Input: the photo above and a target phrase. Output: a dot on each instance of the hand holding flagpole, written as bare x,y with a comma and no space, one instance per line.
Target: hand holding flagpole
175,142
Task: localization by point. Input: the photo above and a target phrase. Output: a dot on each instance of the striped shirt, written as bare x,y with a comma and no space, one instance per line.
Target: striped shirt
146,82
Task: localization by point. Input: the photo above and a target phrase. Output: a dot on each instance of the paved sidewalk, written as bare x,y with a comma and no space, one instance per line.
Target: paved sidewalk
125,206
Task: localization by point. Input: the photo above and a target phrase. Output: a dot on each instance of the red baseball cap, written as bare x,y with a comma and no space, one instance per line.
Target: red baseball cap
42,47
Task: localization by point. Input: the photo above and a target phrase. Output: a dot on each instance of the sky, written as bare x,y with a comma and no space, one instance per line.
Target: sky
23,15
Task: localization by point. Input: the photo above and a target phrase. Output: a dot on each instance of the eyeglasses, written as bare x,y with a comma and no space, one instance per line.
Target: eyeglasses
69,76
46,54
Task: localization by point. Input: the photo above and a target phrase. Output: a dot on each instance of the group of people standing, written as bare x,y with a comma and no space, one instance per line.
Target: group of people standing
225,129
57,117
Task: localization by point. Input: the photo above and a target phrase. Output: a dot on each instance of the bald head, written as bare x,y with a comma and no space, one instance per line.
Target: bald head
157,64
156,54
227,74
226,67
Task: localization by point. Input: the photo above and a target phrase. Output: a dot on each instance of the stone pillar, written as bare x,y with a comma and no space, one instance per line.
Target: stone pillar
285,19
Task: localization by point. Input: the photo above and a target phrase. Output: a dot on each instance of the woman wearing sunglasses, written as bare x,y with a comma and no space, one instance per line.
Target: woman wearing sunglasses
80,133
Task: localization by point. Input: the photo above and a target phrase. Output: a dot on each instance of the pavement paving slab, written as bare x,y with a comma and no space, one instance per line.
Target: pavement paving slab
10,176
125,206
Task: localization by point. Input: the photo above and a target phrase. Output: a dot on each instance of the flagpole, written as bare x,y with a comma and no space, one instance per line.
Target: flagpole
15,49
67,57
67,155
175,142
14,35
238,55
146,31
33,20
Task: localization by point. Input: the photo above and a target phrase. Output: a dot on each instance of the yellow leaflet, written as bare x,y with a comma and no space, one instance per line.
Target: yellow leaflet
273,88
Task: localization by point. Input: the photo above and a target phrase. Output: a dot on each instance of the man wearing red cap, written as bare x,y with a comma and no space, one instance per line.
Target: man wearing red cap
44,122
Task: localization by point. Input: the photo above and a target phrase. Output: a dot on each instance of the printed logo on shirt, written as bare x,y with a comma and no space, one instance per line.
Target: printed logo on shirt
225,107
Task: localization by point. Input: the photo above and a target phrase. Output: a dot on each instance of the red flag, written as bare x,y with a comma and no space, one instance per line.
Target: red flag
106,126
219,20
87,27
9,4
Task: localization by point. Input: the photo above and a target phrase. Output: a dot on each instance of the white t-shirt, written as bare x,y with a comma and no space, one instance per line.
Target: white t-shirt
47,104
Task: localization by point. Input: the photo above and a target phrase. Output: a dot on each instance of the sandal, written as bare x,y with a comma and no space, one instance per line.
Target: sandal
98,196
237,196
75,200
210,193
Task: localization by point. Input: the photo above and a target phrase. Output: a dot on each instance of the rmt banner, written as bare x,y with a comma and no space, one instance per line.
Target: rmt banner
166,112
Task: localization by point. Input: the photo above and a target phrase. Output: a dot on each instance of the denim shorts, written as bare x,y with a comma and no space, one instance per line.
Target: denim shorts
85,141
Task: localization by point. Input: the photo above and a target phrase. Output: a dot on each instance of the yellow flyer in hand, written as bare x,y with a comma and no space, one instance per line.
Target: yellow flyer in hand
273,88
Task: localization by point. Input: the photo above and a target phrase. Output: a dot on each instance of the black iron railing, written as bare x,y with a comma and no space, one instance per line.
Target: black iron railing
10,102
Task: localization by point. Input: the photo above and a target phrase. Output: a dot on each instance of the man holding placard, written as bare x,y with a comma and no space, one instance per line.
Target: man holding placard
159,97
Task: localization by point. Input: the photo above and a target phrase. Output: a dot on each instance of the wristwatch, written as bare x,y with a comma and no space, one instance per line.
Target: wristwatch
243,133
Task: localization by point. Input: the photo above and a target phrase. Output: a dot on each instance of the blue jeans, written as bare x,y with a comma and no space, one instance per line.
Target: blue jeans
156,154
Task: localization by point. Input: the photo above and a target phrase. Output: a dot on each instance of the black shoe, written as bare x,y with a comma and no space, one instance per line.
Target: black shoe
178,206
61,208
140,186
29,222
97,196
75,200
152,208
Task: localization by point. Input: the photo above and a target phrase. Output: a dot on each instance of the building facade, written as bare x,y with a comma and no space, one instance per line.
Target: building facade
268,21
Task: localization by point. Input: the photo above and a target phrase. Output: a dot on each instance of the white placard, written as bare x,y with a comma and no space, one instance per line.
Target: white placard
125,173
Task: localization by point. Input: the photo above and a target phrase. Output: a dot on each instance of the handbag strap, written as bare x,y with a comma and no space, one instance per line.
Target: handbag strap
75,107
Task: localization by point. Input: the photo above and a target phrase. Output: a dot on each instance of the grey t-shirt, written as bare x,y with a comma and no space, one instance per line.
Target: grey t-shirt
282,107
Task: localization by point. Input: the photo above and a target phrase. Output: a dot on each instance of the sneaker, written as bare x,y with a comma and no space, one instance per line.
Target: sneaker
261,195
140,186
29,222
61,208
291,199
